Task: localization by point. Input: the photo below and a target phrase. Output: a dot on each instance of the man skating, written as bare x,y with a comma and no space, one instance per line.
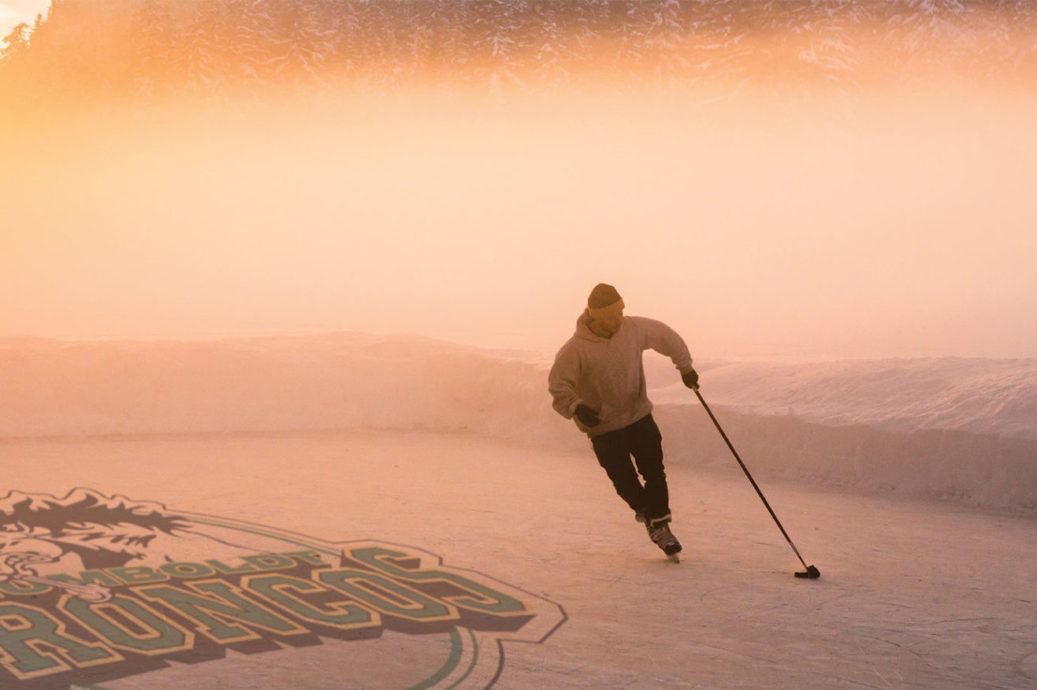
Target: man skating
598,380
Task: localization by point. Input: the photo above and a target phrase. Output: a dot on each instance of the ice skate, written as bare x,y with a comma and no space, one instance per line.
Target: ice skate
662,536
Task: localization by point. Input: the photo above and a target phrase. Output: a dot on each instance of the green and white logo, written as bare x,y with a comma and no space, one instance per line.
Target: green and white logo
96,588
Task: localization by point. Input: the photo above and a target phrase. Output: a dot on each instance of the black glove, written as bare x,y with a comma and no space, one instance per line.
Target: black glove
587,416
691,378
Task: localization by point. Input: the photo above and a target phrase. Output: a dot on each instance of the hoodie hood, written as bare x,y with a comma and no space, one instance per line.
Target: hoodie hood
584,332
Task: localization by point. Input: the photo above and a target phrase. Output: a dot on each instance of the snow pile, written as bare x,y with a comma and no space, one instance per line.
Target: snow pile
947,428
984,396
341,381
975,469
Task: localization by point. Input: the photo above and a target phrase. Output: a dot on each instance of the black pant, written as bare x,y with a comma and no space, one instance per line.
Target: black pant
643,441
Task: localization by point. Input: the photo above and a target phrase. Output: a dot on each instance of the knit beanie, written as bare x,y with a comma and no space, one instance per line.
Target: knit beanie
604,299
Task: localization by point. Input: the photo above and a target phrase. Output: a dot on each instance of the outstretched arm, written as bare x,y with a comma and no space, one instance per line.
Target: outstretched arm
666,341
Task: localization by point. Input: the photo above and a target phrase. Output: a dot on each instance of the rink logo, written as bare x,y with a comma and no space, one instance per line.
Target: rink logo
95,588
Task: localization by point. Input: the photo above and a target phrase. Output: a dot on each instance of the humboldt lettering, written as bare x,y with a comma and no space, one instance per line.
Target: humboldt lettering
51,635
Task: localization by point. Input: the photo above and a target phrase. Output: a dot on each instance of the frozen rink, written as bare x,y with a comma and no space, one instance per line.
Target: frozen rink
912,594
281,282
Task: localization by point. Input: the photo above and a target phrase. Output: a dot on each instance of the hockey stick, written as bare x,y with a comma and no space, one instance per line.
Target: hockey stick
811,572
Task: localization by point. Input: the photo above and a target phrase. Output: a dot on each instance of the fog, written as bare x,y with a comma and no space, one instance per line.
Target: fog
784,183
906,230
881,207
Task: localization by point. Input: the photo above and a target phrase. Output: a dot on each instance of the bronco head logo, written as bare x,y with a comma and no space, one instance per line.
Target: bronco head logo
85,530
96,588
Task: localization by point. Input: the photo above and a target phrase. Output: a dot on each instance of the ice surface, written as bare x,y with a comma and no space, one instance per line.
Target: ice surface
911,595
960,429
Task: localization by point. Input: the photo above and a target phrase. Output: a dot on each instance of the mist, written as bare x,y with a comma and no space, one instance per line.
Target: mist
758,237
282,268
893,217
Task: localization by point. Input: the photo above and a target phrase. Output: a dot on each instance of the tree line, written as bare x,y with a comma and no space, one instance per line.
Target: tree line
142,48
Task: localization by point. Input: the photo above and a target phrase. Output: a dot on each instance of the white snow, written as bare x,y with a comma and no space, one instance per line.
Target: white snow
986,396
958,429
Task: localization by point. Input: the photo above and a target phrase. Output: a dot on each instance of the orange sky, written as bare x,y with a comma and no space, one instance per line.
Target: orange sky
903,230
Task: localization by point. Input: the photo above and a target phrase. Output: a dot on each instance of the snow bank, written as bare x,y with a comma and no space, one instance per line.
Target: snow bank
959,429
948,428
985,396
976,469
267,384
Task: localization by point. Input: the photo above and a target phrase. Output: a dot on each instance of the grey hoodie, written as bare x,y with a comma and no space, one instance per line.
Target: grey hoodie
607,374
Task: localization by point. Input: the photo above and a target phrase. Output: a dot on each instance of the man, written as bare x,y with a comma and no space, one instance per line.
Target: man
598,380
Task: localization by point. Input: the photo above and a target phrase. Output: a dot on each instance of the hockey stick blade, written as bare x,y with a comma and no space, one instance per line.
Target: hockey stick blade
811,573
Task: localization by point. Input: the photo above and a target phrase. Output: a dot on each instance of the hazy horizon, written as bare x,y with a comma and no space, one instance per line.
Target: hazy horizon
883,236
888,214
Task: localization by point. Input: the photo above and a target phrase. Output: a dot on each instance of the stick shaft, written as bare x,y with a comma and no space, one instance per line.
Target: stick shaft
749,476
